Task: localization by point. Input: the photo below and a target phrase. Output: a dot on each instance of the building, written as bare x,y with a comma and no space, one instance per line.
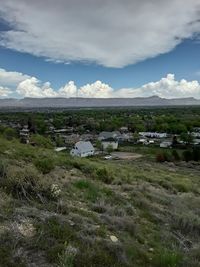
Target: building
106,135
109,143
82,149
153,134
165,144
24,135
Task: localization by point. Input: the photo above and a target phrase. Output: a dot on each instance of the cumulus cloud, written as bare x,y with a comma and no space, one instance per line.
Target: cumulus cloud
69,90
110,33
167,87
97,89
27,86
32,87
11,78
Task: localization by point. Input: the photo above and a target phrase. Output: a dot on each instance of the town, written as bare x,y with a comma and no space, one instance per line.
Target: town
100,187
99,133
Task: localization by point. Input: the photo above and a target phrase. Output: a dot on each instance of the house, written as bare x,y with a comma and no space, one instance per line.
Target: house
143,141
71,139
125,137
82,149
88,137
106,135
24,135
165,144
153,134
109,143
123,129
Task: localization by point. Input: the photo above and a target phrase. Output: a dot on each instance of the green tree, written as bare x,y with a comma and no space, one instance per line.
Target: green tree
9,133
187,138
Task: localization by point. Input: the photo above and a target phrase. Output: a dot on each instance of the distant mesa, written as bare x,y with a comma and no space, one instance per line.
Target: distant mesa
95,102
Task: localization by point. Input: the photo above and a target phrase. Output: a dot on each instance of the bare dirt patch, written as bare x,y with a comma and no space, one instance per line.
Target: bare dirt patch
125,155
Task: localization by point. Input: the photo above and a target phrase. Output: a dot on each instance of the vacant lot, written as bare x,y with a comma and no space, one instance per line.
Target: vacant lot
126,155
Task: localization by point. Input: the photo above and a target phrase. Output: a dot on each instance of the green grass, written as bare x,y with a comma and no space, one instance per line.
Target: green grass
143,203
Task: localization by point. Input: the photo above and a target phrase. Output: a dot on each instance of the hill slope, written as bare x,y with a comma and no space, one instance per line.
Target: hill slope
59,211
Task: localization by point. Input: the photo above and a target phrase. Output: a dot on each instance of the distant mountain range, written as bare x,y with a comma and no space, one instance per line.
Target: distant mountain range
95,102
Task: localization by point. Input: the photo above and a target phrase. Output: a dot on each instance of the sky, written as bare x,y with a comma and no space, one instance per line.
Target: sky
87,48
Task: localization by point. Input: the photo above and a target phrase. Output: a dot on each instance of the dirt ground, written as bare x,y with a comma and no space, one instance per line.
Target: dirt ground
125,155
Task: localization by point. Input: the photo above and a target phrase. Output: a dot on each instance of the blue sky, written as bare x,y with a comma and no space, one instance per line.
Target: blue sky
183,61
51,48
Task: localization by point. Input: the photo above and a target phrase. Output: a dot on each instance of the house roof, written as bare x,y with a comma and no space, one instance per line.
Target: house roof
107,135
84,146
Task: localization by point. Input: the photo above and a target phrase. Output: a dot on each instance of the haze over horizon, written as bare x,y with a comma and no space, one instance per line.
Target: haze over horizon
99,49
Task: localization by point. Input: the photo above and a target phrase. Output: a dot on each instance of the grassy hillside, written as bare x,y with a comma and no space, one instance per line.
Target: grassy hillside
60,211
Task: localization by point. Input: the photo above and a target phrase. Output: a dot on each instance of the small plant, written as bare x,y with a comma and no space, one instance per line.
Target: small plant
167,258
3,169
91,191
66,258
55,191
104,175
45,165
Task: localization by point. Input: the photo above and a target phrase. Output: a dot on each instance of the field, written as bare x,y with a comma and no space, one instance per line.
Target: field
56,210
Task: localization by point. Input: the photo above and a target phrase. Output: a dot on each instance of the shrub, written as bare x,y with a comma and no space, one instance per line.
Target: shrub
175,155
41,141
26,184
187,155
167,156
45,165
187,223
196,154
91,191
9,134
104,175
160,157
3,168
167,258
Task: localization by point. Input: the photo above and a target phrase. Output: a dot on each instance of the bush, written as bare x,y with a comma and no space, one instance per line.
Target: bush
167,156
175,155
166,258
45,165
187,155
104,175
9,134
160,157
3,169
41,141
196,154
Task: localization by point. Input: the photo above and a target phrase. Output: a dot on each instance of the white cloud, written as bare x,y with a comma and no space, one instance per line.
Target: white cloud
11,78
110,33
167,87
69,90
27,86
32,87
97,89
4,91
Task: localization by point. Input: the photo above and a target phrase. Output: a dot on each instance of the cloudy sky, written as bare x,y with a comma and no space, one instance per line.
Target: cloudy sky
107,48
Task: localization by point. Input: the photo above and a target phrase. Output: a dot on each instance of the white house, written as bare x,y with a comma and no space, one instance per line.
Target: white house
165,144
82,149
153,134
